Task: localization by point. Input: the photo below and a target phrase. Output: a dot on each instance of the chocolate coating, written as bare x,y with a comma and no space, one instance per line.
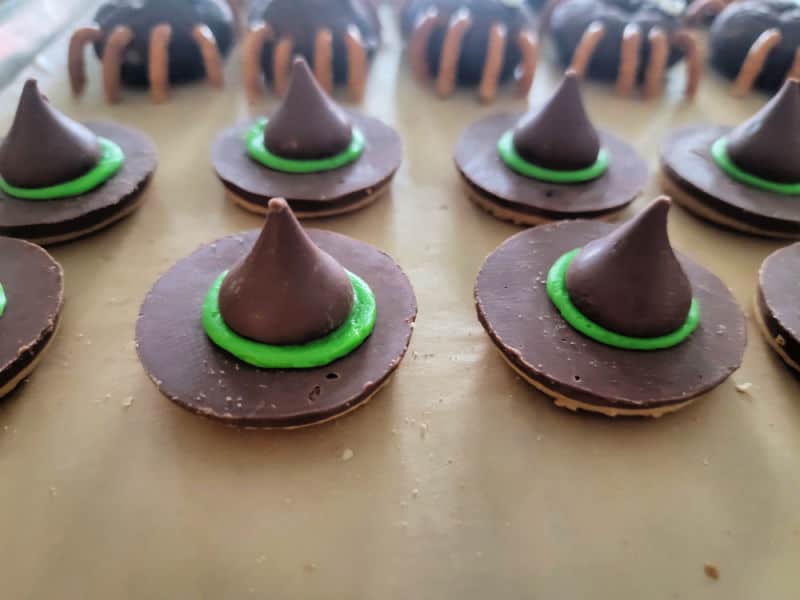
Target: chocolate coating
559,135
308,124
285,290
686,161
778,299
34,287
523,323
141,16
485,172
197,375
768,144
739,26
44,147
53,221
630,280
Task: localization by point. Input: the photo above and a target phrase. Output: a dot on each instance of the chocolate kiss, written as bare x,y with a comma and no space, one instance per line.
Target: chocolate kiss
286,290
45,147
768,144
560,135
630,281
308,125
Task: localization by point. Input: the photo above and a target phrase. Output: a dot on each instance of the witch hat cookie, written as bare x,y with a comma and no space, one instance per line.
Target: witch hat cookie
325,161
60,179
745,178
278,328
31,298
549,163
776,304
610,319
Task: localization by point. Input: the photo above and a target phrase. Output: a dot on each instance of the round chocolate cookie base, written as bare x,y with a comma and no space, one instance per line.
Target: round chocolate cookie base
324,193
691,176
579,373
62,220
776,304
197,375
34,286
513,197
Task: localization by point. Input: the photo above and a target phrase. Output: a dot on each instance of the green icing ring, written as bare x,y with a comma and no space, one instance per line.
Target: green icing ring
719,151
111,161
557,290
316,353
2,300
510,156
254,142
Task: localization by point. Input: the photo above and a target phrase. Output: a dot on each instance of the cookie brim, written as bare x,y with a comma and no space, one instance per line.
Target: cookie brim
691,176
514,308
517,198
199,376
310,194
58,221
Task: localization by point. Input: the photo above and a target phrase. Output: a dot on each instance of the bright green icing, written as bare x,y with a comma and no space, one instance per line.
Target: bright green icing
111,161
720,153
557,290
512,158
2,300
254,141
316,353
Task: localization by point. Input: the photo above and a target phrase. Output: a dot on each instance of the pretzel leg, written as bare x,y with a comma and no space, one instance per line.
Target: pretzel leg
116,43
754,63
158,64
794,72
460,22
529,49
356,63
629,63
494,62
251,59
323,59
212,61
77,46
698,10
694,60
656,68
280,64
583,53
418,44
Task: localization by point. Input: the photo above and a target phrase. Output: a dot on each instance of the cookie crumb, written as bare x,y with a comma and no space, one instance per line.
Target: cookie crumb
743,388
347,454
706,462
53,491
711,571
415,493
128,402
423,430
310,567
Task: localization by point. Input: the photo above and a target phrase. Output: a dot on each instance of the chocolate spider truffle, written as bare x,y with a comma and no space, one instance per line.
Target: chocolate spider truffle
777,303
609,319
60,179
337,37
155,43
471,43
746,178
31,297
548,164
297,327
325,161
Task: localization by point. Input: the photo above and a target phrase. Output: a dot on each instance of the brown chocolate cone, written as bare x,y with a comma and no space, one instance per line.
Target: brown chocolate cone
308,125
630,281
286,290
43,146
560,135
768,144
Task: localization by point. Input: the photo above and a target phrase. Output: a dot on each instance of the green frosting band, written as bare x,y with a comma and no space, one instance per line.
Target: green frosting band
111,161
254,141
557,290
510,156
2,300
316,353
719,152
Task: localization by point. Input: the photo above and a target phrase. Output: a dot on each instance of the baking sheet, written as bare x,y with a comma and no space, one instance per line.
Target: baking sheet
464,481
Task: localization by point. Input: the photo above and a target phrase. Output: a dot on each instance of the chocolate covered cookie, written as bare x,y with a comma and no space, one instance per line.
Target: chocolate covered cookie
323,160
31,297
281,328
777,303
60,179
548,164
746,178
610,319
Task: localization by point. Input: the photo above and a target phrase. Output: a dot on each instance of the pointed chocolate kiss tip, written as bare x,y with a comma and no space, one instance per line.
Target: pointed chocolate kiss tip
277,205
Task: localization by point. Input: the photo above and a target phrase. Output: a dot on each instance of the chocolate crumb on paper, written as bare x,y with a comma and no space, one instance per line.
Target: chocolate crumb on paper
711,571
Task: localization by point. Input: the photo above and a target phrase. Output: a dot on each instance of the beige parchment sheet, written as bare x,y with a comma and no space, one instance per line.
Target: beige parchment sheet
464,482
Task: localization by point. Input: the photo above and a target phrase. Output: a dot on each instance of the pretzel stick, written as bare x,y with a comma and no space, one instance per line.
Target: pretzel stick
629,62
794,72
418,45
496,48
116,43
212,61
460,22
76,65
694,60
280,64
158,62
529,50
583,53
656,68
323,59
356,63
252,47
754,62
